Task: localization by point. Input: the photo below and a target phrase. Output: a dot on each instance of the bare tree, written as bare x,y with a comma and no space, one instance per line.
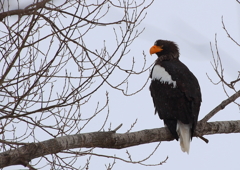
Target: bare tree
51,74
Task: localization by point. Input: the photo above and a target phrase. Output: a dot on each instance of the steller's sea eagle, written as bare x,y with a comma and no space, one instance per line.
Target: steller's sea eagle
175,91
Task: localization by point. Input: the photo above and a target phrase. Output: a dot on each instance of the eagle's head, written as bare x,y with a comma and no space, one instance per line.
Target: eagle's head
165,50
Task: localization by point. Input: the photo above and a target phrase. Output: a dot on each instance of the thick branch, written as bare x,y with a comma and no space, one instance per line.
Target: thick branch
26,11
26,153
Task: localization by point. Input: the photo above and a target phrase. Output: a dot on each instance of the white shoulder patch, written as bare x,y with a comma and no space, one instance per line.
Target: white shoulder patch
162,75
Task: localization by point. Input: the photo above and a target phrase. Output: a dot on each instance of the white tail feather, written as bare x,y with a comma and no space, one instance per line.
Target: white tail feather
184,134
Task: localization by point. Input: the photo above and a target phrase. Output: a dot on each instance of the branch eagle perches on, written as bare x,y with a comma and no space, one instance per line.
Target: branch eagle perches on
108,140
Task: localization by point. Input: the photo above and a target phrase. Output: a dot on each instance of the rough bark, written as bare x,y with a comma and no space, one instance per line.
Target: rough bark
110,139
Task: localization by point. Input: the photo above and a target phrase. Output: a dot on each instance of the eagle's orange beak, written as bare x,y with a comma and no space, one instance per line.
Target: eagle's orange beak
155,49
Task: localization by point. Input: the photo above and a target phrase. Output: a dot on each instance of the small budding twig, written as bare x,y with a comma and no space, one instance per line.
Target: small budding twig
117,128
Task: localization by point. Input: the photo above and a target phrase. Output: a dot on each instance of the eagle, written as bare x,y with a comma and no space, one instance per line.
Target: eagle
175,92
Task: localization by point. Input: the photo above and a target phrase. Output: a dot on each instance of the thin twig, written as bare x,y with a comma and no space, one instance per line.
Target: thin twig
229,36
117,128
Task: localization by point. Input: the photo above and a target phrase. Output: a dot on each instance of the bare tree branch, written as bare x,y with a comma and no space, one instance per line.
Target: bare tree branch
228,34
221,106
30,9
106,140
53,69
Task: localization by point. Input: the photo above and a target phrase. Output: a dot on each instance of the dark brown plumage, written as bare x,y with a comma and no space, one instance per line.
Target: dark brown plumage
175,91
